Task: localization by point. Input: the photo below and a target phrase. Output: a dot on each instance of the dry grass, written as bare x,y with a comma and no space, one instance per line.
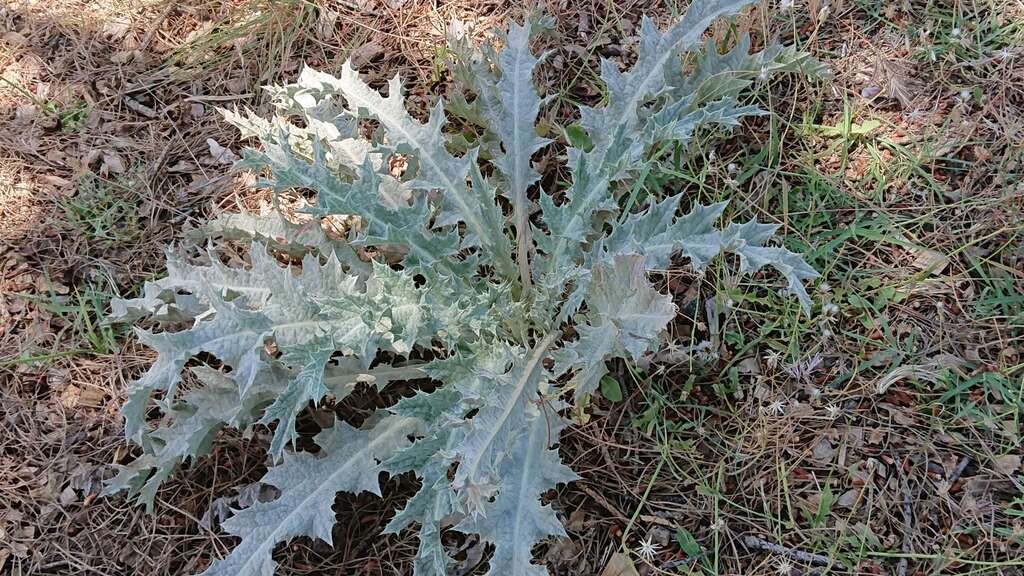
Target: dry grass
882,433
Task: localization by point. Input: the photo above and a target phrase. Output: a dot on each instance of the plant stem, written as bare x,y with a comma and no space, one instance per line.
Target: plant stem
643,499
523,241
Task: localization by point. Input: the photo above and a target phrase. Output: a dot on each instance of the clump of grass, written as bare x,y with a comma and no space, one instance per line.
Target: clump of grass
77,321
102,212
82,314
258,35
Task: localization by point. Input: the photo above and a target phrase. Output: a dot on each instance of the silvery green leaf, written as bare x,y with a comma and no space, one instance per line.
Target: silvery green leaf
472,368
789,264
656,233
613,127
234,335
308,98
747,241
191,424
433,505
249,287
519,105
700,219
724,74
621,294
625,318
309,316
389,314
325,125
157,303
306,385
468,375
587,356
670,123
342,376
438,169
387,223
494,429
474,67
675,123
516,520
185,276
273,229
374,197
349,461
647,233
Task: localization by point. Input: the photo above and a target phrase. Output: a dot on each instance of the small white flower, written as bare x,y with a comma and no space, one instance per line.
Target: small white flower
833,411
776,408
648,549
784,567
825,287
773,358
718,525
830,309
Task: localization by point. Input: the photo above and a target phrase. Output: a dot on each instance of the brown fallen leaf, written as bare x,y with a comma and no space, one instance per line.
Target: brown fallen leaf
1008,464
619,565
576,520
125,56
325,26
561,551
932,261
24,114
182,166
365,54
70,397
67,496
56,181
92,396
898,84
220,154
138,107
15,39
823,451
848,498
112,164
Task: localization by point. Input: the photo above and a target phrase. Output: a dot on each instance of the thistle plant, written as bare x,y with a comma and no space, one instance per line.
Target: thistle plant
450,277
